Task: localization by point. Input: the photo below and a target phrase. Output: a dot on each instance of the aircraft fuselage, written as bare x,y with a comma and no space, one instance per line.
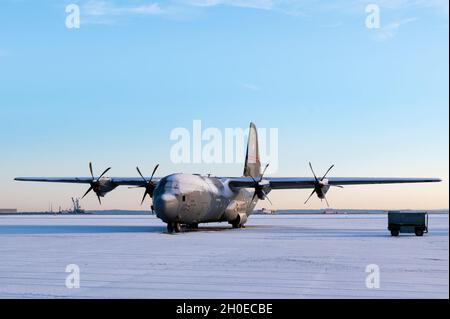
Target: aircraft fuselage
193,199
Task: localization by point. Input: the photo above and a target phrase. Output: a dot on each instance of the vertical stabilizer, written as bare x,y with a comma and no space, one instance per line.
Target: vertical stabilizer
252,161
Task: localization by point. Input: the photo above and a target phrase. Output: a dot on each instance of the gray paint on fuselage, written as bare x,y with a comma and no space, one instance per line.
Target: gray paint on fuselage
199,199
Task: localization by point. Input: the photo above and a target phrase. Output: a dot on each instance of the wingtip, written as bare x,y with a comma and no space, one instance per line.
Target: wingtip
434,180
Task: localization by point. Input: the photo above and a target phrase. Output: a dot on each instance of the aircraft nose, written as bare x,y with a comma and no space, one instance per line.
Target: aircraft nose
166,206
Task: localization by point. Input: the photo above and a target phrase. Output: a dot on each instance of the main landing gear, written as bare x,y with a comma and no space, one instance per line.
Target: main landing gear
237,225
173,227
192,226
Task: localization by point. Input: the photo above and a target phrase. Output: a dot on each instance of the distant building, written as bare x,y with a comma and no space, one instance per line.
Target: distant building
331,212
8,211
266,211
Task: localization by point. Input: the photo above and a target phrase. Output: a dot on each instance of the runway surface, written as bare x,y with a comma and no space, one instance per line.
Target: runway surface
281,256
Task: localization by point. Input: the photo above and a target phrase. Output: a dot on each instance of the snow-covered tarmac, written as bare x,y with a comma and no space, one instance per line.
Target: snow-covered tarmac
281,256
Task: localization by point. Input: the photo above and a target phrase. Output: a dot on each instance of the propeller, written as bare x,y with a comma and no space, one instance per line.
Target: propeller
319,184
95,183
149,185
260,190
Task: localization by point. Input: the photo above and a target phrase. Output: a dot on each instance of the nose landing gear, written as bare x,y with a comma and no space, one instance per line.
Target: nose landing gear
173,227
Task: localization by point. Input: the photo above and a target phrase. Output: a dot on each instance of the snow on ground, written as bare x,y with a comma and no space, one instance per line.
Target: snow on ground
281,256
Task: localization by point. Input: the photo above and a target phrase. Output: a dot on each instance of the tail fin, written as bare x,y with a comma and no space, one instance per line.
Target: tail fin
252,161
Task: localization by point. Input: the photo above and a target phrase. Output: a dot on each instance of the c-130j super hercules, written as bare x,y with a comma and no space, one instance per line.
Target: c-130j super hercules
191,199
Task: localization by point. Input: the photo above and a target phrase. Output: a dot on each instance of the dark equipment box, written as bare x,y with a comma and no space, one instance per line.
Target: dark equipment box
408,222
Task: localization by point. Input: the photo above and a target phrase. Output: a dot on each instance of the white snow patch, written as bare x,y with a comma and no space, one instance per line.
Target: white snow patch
280,256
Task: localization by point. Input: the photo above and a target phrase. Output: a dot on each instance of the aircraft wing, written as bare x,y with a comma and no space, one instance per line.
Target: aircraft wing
308,182
127,181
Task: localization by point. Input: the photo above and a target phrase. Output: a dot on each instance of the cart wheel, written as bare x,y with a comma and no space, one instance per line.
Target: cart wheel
395,232
419,232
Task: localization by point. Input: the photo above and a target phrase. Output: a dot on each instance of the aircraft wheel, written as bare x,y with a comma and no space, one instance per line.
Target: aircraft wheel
177,227
395,232
170,228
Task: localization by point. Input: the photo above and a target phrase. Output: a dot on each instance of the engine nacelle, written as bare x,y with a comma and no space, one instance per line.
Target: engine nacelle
322,191
104,186
263,189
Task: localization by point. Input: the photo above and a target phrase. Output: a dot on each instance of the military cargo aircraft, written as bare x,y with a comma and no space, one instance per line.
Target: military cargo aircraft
191,199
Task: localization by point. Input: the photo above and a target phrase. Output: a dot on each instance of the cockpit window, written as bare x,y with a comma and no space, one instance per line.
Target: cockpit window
162,183
171,185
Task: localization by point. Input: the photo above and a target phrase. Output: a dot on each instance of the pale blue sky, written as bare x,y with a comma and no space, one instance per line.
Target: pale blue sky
373,102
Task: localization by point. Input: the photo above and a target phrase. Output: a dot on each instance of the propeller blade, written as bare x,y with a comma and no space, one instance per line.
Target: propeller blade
264,172
313,192
339,186
254,196
154,171
88,191
139,171
327,172
106,171
326,201
91,170
312,170
143,198
99,200
267,197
